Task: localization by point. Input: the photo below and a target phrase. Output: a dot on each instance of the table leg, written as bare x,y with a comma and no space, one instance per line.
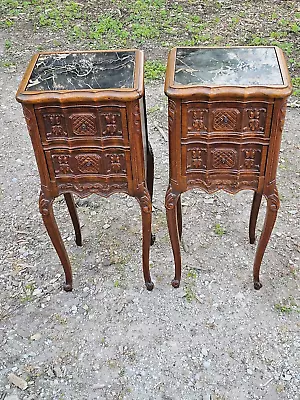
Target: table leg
172,208
146,209
150,178
46,209
273,204
253,216
179,216
74,216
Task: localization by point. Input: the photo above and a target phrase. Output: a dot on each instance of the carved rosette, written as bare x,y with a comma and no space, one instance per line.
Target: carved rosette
44,204
170,200
115,163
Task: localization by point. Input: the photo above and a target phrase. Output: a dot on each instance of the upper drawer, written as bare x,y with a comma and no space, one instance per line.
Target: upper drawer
201,118
105,123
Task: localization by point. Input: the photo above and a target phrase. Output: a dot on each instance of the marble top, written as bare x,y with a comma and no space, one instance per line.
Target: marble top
246,66
79,71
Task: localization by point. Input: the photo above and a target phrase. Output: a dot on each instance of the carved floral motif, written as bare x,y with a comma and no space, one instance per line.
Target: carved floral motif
115,165
28,118
55,122
145,200
44,204
171,116
254,116
112,121
85,189
198,123
170,200
63,164
249,158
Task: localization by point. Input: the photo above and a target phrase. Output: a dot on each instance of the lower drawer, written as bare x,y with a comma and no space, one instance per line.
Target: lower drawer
91,162
223,165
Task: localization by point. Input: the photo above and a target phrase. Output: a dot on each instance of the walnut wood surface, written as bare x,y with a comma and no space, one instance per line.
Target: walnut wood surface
91,141
224,137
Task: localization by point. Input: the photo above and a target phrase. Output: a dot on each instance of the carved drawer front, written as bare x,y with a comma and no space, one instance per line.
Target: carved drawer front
91,162
107,124
222,158
238,118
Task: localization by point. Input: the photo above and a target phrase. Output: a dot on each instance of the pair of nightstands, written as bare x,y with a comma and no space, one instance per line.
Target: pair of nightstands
85,113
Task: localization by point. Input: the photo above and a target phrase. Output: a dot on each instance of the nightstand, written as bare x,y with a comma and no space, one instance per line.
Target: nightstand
226,114
85,113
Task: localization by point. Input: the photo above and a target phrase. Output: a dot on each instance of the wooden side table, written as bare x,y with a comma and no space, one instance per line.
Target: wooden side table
85,113
226,114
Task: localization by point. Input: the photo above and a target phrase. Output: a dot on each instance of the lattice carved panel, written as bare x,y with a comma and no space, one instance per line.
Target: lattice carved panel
83,124
226,119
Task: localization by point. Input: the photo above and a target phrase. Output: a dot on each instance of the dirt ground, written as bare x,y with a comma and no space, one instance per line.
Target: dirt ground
213,338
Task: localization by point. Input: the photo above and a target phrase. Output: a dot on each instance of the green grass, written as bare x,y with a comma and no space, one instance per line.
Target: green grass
219,230
153,25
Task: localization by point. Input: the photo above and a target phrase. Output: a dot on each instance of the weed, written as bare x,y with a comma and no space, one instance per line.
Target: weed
219,230
154,70
295,28
116,284
287,306
153,109
7,44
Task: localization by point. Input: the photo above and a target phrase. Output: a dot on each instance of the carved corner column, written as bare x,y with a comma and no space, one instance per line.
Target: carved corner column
46,210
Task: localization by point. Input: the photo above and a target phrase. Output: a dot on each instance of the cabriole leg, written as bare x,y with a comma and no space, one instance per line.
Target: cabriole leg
150,178
273,204
74,216
179,216
146,209
253,216
172,210
46,210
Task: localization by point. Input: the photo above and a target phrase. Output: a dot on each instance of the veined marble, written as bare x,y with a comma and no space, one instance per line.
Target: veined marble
227,66
79,71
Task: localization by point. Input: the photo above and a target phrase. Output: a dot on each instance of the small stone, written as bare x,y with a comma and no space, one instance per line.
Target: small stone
206,364
37,292
106,226
17,381
249,371
204,351
57,371
93,213
208,201
74,309
99,386
85,307
206,397
86,289
286,377
36,336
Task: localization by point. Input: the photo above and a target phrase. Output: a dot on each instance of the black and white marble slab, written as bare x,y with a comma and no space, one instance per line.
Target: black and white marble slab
227,66
79,71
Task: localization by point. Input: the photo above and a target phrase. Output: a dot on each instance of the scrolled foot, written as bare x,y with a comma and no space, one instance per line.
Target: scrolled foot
78,240
152,241
175,283
257,285
68,287
149,286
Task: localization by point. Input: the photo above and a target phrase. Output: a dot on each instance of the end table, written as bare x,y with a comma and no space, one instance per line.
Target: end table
85,113
226,114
